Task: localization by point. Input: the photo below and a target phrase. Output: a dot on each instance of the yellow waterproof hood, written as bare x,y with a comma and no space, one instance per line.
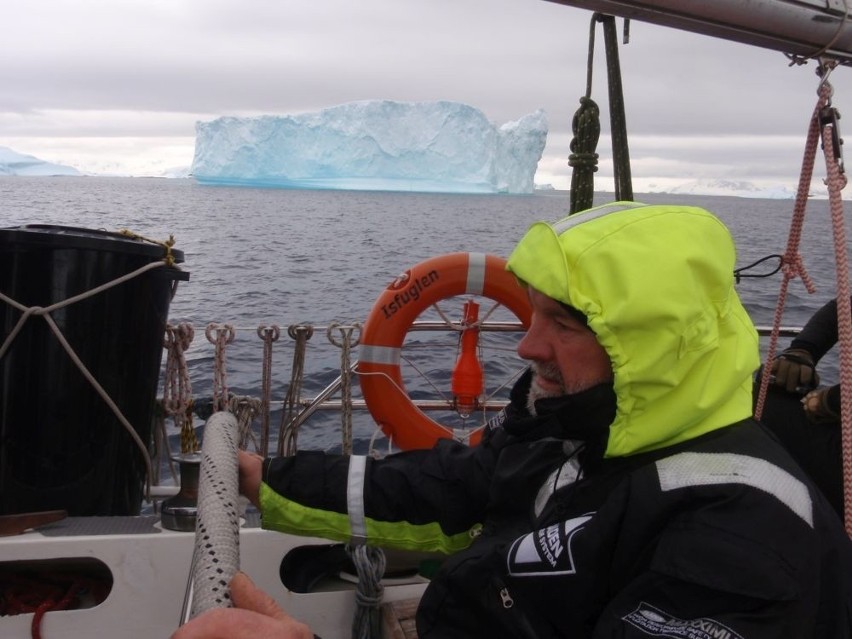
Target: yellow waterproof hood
656,284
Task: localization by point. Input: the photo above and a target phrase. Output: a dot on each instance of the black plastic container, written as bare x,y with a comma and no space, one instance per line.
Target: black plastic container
61,446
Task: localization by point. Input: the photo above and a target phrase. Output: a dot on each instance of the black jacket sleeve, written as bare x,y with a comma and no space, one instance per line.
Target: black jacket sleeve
418,499
819,335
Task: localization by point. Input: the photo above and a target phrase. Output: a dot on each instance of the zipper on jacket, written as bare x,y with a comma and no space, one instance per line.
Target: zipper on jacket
506,598
516,621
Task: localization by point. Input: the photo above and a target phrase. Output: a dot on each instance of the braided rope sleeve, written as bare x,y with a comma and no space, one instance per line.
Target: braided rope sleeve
217,530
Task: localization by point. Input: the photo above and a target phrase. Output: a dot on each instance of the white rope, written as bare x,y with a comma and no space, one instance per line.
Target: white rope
370,564
245,408
45,311
345,344
288,431
217,530
268,334
220,335
177,385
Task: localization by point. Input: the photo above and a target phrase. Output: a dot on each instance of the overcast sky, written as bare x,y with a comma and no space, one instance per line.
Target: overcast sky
117,85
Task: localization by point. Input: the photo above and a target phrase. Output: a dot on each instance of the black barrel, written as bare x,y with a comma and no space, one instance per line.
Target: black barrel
61,446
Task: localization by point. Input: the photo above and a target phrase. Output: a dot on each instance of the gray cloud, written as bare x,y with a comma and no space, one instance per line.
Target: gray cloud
142,68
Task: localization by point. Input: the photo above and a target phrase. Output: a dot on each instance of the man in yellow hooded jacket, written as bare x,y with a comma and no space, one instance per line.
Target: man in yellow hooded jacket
625,491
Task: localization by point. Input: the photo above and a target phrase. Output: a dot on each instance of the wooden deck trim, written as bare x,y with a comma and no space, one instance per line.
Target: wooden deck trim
398,619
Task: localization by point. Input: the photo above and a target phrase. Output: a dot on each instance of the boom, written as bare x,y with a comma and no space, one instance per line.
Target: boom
800,28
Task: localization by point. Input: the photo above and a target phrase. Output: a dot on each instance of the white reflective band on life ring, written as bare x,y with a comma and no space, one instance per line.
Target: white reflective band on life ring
475,274
370,354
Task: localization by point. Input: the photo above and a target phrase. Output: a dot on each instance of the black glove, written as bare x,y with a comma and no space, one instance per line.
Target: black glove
793,370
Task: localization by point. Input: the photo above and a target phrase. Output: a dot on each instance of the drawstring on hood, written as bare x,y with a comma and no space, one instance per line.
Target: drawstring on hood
656,285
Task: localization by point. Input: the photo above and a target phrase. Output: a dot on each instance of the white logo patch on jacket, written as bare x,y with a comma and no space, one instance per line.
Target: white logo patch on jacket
657,623
546,552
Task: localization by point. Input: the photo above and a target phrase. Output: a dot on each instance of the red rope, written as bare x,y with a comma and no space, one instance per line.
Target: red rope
836,182
40,593
792,261
63,604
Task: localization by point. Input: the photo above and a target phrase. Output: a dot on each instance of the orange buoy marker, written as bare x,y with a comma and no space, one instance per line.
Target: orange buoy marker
467,384
396,309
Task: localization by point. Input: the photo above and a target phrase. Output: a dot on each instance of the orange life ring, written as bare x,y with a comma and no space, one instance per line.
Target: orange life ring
395,311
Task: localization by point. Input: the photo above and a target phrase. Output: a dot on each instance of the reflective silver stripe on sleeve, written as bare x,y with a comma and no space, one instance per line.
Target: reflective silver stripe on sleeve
705,469
475,273
378,354
355,498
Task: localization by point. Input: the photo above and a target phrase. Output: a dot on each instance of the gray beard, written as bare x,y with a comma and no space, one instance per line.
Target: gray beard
536,393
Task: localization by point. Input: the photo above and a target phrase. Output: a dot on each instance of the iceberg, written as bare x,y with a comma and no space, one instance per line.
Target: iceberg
440,146
14,163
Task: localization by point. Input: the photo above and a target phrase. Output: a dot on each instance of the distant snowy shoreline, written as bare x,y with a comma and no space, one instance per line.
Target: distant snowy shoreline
15,164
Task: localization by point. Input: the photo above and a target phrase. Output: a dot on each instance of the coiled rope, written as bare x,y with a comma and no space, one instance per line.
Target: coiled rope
40,592
288,431
177,386
269,335
345,344
586,125
370,564
244,409
220,335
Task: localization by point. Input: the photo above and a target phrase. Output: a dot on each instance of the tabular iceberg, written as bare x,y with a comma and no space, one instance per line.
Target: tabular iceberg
443,146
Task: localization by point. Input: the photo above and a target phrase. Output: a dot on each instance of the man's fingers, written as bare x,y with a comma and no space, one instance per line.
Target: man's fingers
251,471
234,623
247,596
221,623
255,615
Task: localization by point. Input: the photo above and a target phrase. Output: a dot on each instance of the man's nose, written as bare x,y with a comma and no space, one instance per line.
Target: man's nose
533,346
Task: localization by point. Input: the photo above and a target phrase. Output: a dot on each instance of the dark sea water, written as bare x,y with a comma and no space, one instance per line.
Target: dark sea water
267,256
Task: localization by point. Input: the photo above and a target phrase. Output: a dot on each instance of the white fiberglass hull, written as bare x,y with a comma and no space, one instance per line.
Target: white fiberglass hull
149,567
